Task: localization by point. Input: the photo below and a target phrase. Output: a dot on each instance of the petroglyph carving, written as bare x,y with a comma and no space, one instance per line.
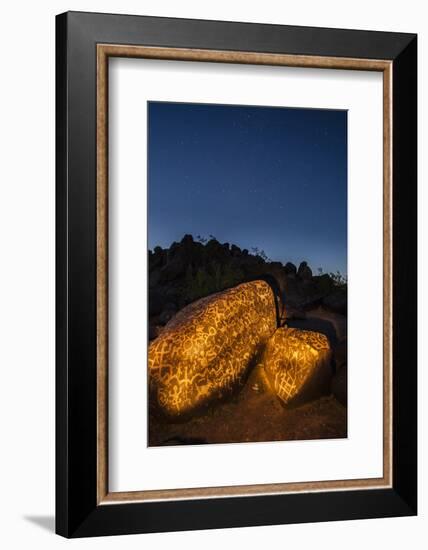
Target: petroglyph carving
205,351
292,357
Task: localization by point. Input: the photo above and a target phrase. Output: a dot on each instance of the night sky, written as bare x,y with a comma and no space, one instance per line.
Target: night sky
265,177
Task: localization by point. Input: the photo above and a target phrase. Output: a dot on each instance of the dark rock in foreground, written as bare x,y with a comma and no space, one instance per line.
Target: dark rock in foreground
339,385
337,300
304,272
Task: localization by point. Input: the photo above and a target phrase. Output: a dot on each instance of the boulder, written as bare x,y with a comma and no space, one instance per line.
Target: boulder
314,324
187,240
294,313
207,348
337,300
290,269
157,301
298,365
340,354
174,269
154,277
324,284
339,385
216,252
178,258
235,250
157,258
337,321
304,272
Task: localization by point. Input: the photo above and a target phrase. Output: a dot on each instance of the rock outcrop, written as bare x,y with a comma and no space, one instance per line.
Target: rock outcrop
297,364
339,385
210,314
189,270
205,351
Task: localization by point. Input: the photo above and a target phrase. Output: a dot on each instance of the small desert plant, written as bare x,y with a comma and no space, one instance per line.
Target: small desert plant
339,279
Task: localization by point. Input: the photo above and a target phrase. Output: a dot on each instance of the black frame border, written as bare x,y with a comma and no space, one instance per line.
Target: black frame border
77,512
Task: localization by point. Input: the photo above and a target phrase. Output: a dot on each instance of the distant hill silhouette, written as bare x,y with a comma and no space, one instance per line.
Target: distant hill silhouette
192,268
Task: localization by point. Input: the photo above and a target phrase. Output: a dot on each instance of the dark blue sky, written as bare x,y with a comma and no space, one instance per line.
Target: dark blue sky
266,177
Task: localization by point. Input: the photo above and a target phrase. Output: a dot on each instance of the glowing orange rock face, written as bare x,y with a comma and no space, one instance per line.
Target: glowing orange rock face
293,359
206,350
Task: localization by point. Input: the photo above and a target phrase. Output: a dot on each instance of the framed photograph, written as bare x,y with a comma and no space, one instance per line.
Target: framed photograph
236,274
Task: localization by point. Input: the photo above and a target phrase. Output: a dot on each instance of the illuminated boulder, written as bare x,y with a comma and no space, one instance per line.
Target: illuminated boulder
297,364
205,351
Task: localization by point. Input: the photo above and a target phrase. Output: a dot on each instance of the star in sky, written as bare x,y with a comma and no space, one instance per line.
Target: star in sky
269,177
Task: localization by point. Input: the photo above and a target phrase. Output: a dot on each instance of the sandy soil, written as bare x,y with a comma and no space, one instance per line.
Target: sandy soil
254,414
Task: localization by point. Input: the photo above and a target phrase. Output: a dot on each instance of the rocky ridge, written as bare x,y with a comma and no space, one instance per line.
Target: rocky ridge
190,269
